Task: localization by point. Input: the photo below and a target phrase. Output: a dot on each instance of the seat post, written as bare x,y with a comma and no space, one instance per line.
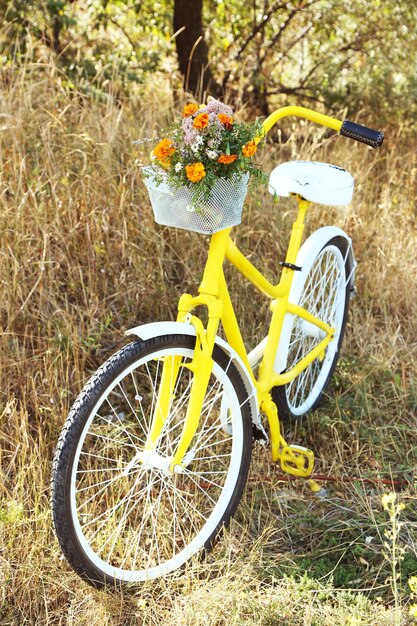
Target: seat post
297,231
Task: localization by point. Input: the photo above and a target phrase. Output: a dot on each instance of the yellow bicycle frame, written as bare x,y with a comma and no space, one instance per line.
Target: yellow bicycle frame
213,294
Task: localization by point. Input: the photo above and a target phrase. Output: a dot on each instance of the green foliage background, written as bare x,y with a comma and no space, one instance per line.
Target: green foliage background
359,55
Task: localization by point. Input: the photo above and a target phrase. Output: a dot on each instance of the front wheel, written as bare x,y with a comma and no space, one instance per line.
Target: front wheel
120,515
323,289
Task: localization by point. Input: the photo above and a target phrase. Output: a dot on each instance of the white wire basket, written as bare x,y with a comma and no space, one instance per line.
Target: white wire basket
183,209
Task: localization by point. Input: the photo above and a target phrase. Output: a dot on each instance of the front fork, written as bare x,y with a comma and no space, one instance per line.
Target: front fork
201,367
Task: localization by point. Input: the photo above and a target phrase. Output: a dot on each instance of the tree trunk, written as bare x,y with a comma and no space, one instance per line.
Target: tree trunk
192,50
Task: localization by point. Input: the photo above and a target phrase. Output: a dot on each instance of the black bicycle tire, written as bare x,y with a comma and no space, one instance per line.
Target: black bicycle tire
279,394
73,427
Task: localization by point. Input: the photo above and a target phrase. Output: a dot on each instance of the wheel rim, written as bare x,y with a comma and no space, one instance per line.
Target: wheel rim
323,295
133,520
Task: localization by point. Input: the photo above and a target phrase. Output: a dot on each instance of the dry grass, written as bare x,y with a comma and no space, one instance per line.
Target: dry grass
82,260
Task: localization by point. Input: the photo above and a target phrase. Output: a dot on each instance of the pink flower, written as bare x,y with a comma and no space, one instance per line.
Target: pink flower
190,133
214,106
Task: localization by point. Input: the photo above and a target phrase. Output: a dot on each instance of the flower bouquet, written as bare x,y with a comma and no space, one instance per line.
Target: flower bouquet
199,178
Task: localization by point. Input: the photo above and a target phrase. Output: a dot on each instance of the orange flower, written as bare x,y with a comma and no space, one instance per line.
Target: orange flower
249,149
201,121
227,158
195,172
226,120
189,109
164,151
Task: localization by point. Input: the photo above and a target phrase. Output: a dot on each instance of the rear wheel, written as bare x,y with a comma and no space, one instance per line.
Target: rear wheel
120,515
323,290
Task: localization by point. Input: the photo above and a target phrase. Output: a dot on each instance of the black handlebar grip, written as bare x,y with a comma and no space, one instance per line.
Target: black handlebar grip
364,134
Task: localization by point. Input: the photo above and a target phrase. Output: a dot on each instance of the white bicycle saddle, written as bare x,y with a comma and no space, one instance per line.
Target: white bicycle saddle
317,182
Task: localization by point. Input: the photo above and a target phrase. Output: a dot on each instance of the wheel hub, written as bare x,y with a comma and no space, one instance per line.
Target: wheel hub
150,459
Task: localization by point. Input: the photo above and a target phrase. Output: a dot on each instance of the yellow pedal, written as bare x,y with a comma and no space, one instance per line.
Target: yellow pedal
297,460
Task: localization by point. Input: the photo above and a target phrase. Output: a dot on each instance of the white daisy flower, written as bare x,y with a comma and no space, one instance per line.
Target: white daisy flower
212,154
178,167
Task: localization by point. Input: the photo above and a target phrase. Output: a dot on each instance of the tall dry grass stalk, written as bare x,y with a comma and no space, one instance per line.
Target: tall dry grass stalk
81,260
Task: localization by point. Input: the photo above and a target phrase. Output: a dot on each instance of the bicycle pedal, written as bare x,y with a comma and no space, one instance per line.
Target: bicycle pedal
297,460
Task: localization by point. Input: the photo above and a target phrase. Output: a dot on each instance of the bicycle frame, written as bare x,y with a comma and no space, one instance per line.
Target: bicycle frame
214,295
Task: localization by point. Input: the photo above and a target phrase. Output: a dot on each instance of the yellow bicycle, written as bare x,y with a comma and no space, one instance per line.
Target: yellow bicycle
154,455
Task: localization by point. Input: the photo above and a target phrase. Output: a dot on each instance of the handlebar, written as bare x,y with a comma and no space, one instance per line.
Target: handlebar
346,128
363,134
